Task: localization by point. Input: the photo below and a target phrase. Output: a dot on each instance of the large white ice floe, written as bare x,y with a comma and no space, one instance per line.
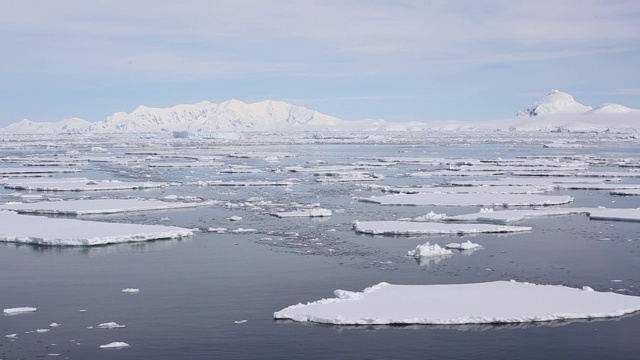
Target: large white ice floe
78,184
478,199
36,170
470,189
44,231
478,303
430,228
19,310
96,206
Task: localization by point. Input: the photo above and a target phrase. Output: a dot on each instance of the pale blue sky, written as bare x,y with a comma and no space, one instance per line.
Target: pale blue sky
396,60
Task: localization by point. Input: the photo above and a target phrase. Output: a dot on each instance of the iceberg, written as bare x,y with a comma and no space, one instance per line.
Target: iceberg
498,302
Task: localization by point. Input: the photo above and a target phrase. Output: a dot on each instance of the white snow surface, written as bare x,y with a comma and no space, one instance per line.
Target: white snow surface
476,199
477,303
95,206
427,228
38,230
18,310
557,112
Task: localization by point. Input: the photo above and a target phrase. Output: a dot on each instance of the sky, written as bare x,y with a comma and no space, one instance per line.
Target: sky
397,60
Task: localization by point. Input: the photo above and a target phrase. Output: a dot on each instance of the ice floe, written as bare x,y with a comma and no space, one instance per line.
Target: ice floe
615,214
18,310
488,215
430,228
130,291
632,192
78,184
319,212
495,302
505,189
478,199
467,245
44,231
110,325
115,345
96,206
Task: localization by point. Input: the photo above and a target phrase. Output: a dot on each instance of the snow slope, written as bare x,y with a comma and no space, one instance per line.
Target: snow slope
556,112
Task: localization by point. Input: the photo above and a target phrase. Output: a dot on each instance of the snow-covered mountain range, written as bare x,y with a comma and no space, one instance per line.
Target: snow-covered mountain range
557,112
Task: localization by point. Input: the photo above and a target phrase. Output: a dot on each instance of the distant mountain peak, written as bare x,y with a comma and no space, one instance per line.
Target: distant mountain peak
556,102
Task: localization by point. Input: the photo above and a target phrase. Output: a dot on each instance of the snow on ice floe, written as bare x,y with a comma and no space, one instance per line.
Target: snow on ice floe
495,302
78,184
37,230
96,206
18,310
615,214
428,250
115,345
430,228
477,199
319,212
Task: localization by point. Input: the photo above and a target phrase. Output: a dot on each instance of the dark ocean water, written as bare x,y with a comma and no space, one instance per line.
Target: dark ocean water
193,291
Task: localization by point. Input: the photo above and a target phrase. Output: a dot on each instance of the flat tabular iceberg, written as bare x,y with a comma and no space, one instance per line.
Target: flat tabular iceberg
480,303
38,230
428,228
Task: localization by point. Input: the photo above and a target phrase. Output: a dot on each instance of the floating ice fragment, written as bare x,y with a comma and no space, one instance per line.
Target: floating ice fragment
11,336
467,245
40,331
234,218
19,310
54,325
420,228
115,345
240,321
131,290
110,325
427,250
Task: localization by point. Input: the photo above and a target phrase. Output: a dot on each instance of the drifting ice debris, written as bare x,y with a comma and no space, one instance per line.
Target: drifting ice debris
304,213
54,325
467,245
19,310
110,325
131,291
115,345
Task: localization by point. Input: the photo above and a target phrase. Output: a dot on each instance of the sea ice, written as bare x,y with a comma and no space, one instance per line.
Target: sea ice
80,185
488,215
38,230
430,228
130,291
479,199
477,303
505,189
467,245
318,212
615,214
115,345
427,250
110,325
18,310
97,206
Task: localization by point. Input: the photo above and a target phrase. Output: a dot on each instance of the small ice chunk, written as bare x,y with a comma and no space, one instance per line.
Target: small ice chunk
427,249
234,218
54,325
18,310
11,336
110,325
131,291
587,288
40,331
115,345
240,321
347,295
467,245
